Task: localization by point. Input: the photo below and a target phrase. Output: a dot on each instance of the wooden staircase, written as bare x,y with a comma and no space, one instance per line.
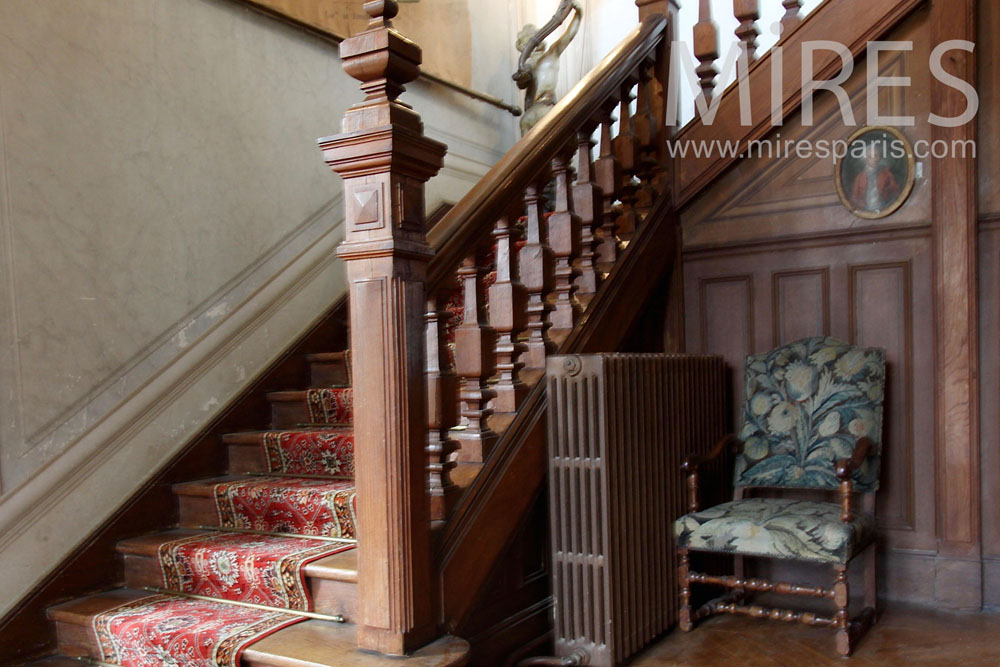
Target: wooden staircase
331,581
559,249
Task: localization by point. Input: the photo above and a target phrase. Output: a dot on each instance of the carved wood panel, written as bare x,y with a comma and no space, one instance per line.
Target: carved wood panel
749,300
778,194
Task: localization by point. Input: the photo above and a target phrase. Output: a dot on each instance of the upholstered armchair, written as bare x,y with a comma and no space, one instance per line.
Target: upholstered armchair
811,419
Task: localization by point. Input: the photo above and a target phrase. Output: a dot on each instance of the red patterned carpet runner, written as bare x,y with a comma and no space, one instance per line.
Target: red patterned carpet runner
261,569
181,632
288,505
329,452
334,405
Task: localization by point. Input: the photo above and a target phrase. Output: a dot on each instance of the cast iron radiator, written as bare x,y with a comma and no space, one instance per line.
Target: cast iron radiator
619,426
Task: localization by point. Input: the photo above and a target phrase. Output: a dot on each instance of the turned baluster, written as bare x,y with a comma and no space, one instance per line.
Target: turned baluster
647,133
473,357
706,48
442,408
564,237
588,203
607,171
644,121
627,152
792,17
536,268
747,12
508,301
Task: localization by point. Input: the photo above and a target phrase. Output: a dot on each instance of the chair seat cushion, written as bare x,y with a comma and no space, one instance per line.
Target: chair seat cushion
777,528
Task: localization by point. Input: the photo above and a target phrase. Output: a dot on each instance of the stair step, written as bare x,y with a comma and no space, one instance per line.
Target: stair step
332,581
338,567
197,503
309,643
291,408
246,451
328,369
73,620
323,644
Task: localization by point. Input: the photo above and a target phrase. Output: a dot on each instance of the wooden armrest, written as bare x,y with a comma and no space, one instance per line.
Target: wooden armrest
846,467
692,462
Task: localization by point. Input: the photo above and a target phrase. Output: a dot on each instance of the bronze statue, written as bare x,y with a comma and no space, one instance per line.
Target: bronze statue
538,68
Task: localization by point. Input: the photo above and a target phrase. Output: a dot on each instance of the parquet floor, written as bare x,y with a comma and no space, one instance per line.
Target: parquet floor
903,636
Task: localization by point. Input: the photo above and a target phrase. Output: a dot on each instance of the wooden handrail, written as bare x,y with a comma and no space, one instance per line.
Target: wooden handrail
472,218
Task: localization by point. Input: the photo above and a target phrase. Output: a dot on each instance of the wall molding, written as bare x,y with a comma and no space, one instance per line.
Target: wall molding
50,513
136,372
10,366
805,241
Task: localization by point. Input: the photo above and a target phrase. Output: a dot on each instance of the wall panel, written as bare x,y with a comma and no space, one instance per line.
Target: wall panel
800,304
873,289
989,397
881,314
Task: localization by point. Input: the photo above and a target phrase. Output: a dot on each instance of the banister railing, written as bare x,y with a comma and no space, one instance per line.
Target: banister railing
519,297
464,317
533,153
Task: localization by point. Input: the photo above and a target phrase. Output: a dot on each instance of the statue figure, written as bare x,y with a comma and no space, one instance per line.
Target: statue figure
538,68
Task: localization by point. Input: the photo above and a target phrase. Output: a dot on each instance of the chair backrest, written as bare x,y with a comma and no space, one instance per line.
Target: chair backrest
806,403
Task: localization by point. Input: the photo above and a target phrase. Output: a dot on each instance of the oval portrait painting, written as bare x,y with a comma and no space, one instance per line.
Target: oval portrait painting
876,175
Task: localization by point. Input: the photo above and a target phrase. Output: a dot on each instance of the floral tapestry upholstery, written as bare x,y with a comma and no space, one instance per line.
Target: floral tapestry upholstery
806,405
777,528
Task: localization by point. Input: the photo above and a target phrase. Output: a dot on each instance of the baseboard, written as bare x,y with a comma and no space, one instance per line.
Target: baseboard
991,582
53,511
945,583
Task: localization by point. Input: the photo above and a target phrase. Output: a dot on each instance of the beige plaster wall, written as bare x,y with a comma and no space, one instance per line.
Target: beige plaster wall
167,227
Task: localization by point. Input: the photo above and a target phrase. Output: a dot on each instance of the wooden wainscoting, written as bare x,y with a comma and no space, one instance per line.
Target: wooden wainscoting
989,382
874,288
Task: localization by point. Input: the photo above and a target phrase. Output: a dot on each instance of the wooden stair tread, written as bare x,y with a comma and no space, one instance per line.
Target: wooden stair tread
206,487
149,544
292,395
80,611
307,644
322,644
341,566
253,437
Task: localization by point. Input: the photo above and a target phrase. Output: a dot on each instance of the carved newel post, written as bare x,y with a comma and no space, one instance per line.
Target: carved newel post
385,159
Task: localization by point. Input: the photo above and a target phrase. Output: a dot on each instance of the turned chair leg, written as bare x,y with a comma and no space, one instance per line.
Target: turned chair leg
842,597
739,570
684,566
